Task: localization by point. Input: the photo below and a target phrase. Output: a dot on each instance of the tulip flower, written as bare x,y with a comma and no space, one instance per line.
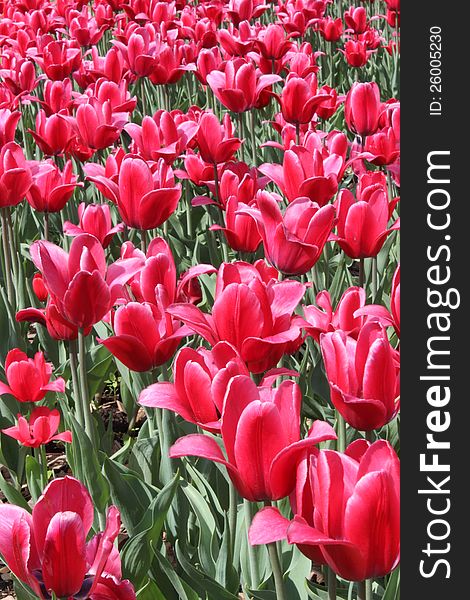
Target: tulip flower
362,224
331,29
363,376
239,85
293,242
29,379
145,337
356,53
51,188
59,59
53,134
56,324
145,198
261,437
322,319
39,288
8,122
383,146
15,175
240,229
97,125
48,550
200,380
347,511
245,10
299,99
262,326
41,428
356,19
94,219
362,108
214,140
57,96
82,287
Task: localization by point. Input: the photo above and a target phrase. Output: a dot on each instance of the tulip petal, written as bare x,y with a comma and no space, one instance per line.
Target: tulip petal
268,526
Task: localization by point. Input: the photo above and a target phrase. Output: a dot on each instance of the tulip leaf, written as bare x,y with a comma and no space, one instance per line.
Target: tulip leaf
12,494
150,591
33,477
392,591
164,571
22,592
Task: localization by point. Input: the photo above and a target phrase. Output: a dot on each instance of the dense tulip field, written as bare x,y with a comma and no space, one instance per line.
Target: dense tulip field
199,299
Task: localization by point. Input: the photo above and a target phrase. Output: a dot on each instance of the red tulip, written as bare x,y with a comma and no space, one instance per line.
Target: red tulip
293,242
95,219
48,549
362,224
145,337
322,319
53,134
39,288
261,328
347,510
331,29
51,188
41,429
97,125
29,379
82,287
362,108
306,173
200,380
356,53
240,229
238,84
299,99
245,10
383,146
56,324
261,435
8,122
59,59
215,141
380,313
356,19
363,376
15,175
57,96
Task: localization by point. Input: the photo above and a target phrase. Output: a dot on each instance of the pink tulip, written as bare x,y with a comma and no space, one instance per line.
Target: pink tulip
94,219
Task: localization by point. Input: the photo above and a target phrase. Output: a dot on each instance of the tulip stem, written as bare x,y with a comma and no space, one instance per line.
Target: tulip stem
242,147
374,278
254,571
297,134
75,382
341,432
253,137
232,514
362,275
331,584
368,585
42,459
361,590
85,396
7,257
277,571
46,226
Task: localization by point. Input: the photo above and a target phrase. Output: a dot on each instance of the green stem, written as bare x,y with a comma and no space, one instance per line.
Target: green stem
232,514
7,257
277,572
46,226
75,382
254,571
242,135
362,277
341,432
331,584
361,590
143,241
297,134
368,584
85,395
43,463
374,278
369,436
253,138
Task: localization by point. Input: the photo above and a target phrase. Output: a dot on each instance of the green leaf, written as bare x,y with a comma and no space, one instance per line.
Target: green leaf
150,591
12,494
22,592
33,477
163,570
392,591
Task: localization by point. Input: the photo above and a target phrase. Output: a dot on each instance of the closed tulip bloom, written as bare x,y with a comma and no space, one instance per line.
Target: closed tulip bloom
239,85
52,188
41,428
200,379
293,242
53,134
260,430
15,175
59,59
322,318
383,147
347,509
356,53
39,288
145,337
29,379
362,108
94,219
363,376
299,99
215,140
241,231
356,19
98,125
49,552
331,29
262,326
145,198
57,96
362,225
80,283
8,122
